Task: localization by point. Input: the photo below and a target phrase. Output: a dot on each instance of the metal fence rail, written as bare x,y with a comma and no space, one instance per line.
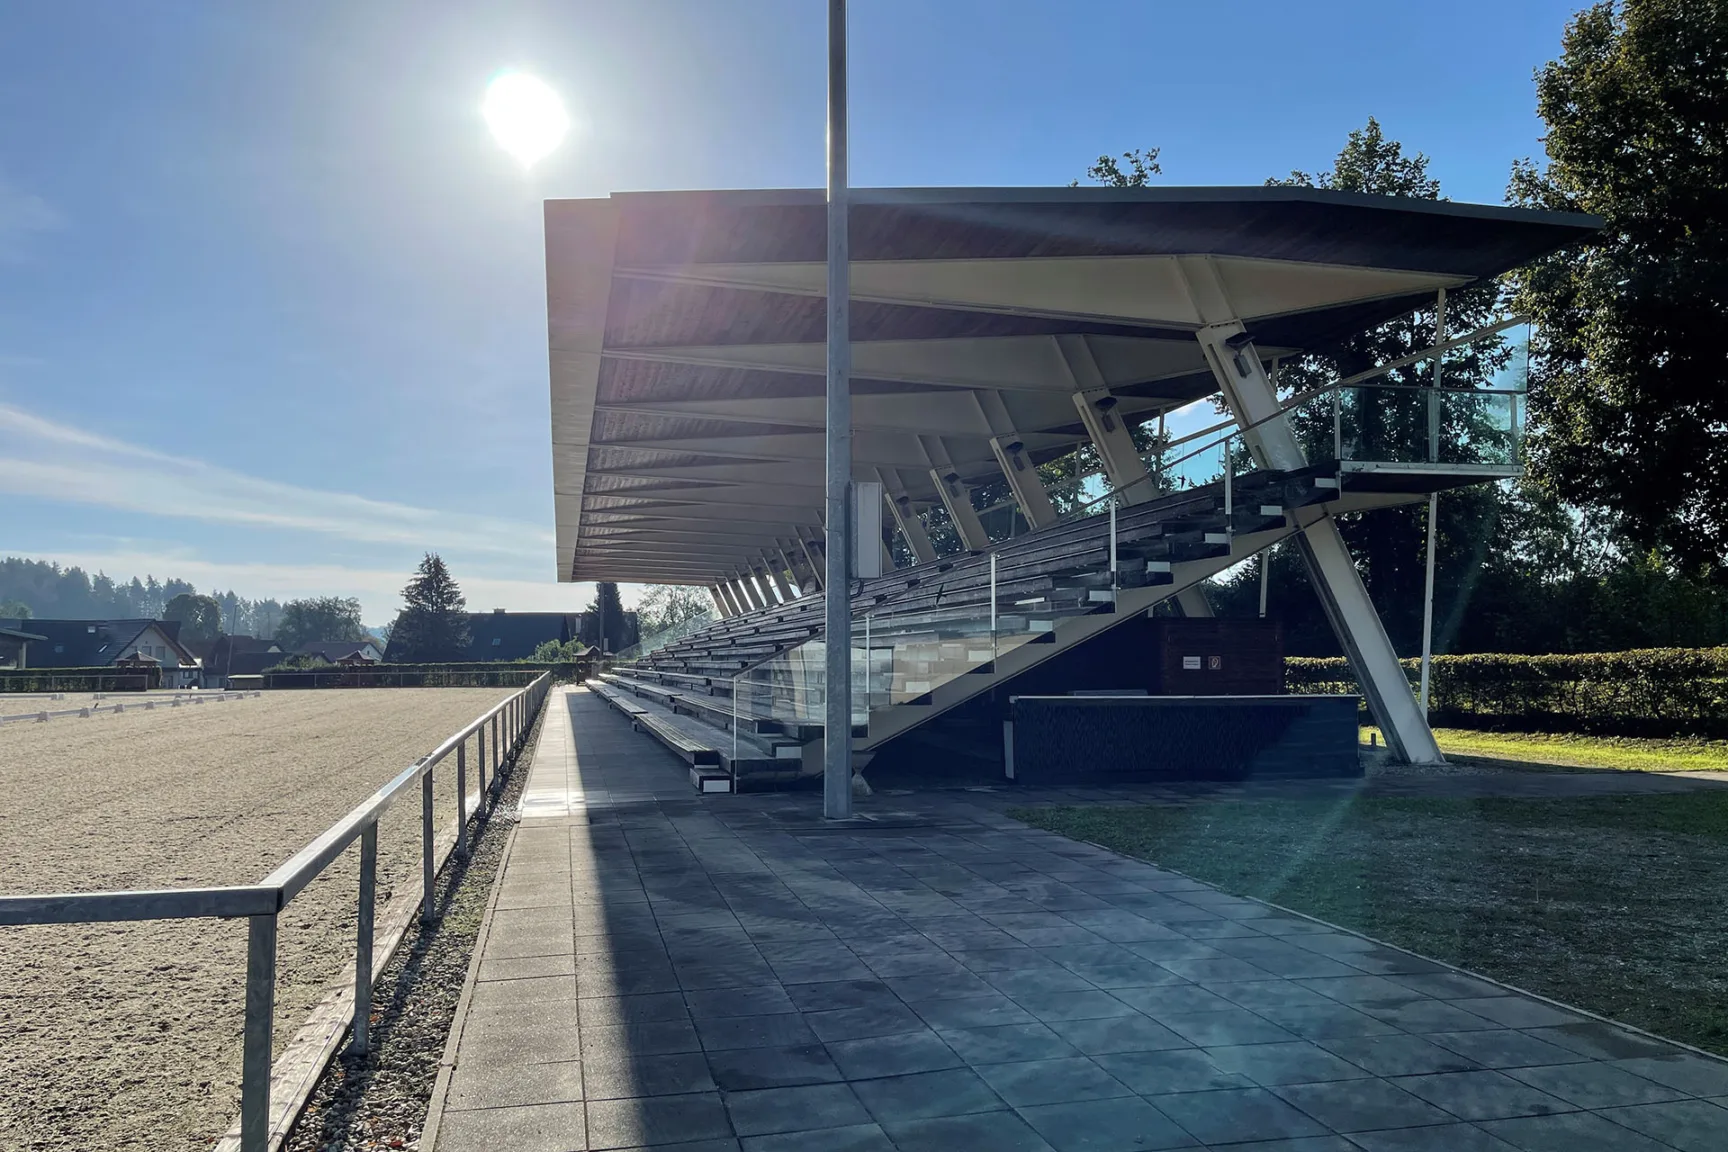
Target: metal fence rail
262,903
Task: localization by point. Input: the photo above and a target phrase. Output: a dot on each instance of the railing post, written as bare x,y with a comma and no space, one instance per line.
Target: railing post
462,801
479,775
427,915
480,751
1114,501
363,941
260,1026
993,649
1229,483
1337,426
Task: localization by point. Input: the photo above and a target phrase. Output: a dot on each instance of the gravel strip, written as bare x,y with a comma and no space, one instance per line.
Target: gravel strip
379,1100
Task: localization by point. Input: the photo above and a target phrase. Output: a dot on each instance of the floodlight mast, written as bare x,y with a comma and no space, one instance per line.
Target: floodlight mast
837,588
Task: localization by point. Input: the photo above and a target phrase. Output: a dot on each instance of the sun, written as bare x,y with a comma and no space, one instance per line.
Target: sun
525,116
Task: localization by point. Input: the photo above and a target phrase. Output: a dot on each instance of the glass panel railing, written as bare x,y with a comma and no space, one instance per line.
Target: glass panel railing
1404,424
791,687
666,636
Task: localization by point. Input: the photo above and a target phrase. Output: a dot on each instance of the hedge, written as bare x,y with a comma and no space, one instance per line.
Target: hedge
95,679
1641,692
490,674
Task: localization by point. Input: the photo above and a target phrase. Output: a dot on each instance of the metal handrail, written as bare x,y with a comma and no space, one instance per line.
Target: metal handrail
510,721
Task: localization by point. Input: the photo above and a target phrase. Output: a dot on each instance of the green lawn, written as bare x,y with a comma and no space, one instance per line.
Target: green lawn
1618,904
1582,751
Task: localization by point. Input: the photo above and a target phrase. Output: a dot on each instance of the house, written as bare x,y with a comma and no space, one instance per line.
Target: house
239,656
342,651
501,635
15,647
105,643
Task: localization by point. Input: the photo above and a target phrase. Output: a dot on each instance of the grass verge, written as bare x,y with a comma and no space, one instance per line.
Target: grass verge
1611,903
1620,752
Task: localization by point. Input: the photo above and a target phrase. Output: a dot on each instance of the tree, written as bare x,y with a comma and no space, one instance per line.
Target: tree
200,616
1142,166
604,625
433,624
554,652
1387,423
665,606
14,610
1631,386
319,618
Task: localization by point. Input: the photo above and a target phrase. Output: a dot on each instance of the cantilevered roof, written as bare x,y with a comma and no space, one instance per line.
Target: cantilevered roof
687,355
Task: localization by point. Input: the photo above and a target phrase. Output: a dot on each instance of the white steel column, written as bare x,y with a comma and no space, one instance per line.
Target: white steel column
791,567
810,559
719,604
1023,481
779,578
1249,392
1098,412
770,594
837,715
1010,452
751,592
726,597
957,498
911,527
1192,600
1433,501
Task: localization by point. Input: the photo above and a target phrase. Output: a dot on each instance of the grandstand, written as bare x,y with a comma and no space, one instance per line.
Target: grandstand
993,331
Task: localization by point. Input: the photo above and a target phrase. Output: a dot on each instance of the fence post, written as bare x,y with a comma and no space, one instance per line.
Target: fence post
462,801
363,940
427,915
479,774
480,751
260,1022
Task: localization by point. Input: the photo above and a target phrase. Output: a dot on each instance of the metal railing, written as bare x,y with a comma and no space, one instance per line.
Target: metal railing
263,903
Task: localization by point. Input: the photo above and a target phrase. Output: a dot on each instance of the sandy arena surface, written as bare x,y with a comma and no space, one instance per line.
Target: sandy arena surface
127,1036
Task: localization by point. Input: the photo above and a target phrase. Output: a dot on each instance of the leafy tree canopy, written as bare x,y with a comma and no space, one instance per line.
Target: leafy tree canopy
433,625
334,618
665,606
554,652
1629,409
200,616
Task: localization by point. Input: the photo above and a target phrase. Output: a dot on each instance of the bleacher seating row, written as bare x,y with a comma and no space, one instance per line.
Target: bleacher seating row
683,693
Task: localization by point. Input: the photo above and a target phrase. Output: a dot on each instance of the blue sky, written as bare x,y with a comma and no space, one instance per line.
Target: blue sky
272,309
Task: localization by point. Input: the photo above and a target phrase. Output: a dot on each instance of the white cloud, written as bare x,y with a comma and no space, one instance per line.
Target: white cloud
47,460
23,215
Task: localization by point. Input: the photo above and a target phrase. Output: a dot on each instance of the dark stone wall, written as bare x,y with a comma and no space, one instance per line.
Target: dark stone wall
1094,740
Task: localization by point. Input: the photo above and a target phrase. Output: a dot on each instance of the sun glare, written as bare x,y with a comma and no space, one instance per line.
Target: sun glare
525,116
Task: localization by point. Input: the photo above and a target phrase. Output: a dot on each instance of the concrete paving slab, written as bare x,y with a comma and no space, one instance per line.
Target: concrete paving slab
664,969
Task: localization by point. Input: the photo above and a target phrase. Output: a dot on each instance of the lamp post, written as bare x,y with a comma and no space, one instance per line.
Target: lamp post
837,605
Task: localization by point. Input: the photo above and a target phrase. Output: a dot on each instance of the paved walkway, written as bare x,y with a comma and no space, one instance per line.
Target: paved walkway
729,972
